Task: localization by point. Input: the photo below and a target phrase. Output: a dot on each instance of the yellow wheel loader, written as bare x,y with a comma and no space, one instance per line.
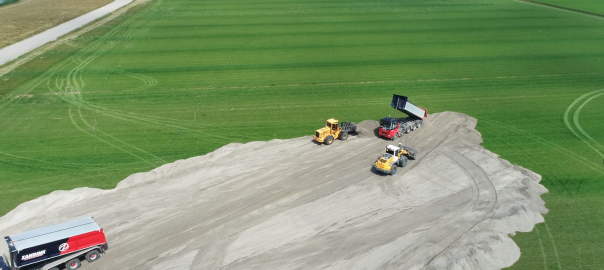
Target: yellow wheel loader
334,130
395,156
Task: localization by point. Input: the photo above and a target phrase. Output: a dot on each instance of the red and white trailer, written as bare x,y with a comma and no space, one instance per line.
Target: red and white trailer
48,248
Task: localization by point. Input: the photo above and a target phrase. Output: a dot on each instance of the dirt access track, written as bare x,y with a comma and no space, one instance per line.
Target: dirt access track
295,204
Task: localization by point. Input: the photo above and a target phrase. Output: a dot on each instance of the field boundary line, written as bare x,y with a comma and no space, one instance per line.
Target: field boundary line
571,10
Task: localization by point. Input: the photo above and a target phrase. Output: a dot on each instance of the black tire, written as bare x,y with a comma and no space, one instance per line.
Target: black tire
93,255
73,264
407,130
328,140
343,136
419,123
393,170
403,161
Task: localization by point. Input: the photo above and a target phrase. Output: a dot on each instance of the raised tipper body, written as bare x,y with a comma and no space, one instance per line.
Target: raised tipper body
392,127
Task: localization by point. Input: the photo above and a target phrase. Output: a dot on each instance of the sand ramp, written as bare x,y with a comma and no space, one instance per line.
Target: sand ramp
294,204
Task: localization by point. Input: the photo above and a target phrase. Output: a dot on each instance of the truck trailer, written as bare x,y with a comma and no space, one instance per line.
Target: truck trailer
392,127
48,248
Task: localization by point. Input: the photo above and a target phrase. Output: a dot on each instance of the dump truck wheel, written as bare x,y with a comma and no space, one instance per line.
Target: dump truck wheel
343,136
329,140
93,255
73,264
407,130
419,124
393,170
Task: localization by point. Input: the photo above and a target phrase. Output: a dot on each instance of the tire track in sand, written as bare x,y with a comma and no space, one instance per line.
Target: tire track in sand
483,202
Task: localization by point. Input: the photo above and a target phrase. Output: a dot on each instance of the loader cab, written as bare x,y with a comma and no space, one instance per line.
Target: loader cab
388,123
332,124
392,150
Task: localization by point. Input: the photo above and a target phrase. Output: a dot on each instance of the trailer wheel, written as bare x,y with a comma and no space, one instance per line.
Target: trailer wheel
419,124
329,140
93,255
343,136
393,170
73,264
407,130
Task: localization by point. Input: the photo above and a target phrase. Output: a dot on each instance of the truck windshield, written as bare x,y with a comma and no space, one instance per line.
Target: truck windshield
387,124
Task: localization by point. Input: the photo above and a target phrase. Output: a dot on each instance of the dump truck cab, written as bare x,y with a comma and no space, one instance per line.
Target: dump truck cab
392,127
395,156
332,130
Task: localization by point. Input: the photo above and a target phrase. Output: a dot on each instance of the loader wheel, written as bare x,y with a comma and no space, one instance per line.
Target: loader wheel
403,161
73,264
343,136
329,140
393,170
93,255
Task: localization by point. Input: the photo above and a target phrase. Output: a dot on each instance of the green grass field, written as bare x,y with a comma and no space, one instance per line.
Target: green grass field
6,2
181,78
594,6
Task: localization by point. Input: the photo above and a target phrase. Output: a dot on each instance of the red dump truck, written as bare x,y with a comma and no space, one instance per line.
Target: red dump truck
61,246
392,127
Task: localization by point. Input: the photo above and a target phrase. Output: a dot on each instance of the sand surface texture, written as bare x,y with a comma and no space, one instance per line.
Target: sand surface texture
294,204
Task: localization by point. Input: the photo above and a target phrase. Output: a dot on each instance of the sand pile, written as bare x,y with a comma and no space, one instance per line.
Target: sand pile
293,204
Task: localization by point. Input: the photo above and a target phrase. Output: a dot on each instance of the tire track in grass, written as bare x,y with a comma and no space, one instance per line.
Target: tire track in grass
577,129
565,152
75,85
69,89
542,248
109,143
549,232
116,139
